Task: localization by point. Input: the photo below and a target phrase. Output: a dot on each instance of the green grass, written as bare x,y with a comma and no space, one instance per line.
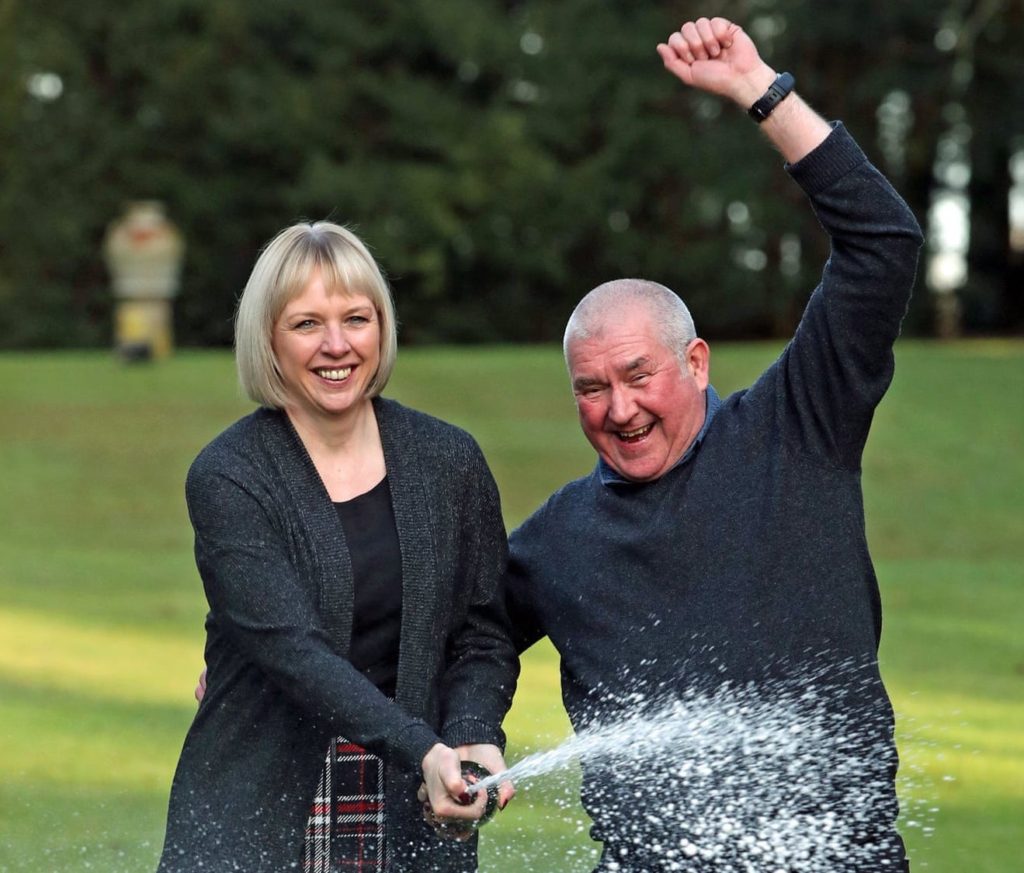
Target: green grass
101,612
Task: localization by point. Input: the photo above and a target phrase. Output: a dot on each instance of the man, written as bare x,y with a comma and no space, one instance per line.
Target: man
722,541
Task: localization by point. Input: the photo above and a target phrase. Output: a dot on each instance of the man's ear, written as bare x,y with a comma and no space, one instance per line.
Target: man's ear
698,362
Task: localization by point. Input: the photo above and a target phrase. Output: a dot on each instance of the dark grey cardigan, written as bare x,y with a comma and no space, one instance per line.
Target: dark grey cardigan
275,567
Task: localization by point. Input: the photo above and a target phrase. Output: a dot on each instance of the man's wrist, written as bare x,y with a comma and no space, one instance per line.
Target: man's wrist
752,86
778,91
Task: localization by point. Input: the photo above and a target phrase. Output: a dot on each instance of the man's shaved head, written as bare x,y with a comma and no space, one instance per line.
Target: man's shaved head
669,316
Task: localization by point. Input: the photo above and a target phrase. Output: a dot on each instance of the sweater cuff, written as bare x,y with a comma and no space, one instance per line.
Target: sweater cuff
472,731
412,744
836,156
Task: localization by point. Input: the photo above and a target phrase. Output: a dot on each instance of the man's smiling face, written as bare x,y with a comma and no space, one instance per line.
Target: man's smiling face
639,406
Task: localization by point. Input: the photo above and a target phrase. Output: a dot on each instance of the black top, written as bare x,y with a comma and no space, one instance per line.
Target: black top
369,524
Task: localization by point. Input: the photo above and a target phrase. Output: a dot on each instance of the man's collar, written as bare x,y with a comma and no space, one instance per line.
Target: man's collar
712,403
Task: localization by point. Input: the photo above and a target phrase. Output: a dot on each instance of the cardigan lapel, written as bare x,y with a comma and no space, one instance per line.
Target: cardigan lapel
320,528
419,554
329,551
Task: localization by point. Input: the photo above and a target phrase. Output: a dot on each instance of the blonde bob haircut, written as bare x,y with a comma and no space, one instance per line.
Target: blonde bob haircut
282,271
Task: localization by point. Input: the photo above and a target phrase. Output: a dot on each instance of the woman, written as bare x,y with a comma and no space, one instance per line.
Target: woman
352,551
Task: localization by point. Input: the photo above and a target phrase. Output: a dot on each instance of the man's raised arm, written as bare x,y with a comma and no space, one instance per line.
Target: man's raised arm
833,374
717,56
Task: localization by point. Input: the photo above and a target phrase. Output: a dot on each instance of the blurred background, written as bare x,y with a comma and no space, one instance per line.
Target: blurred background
500,158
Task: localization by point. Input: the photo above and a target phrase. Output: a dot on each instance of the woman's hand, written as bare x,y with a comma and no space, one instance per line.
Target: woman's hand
200,691
447,804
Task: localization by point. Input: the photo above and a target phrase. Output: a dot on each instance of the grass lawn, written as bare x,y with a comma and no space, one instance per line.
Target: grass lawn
101,611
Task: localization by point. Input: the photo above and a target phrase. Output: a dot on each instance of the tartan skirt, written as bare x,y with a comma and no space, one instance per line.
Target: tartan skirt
345,829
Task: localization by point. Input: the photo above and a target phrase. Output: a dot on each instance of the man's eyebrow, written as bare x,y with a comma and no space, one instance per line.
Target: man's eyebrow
581,382
641,363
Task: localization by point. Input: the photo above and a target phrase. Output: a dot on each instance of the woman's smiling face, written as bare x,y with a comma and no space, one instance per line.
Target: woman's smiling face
327,345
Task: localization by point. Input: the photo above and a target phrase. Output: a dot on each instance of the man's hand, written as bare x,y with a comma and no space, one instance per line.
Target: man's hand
491,757
200,691
447,805
717,56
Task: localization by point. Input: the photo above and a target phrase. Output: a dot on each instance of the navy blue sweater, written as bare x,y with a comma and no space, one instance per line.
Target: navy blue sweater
749,562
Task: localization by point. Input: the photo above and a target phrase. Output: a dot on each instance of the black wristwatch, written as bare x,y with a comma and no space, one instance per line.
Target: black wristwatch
779,91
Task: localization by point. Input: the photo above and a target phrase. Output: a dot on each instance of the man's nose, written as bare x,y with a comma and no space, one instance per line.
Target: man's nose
621,406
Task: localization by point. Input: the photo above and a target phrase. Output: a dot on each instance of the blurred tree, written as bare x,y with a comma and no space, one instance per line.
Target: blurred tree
500,156
993,40
874,65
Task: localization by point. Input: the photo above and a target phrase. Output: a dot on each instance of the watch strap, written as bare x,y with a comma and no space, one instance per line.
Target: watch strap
776,93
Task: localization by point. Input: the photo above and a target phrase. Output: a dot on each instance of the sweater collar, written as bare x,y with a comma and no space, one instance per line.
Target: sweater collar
712,403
